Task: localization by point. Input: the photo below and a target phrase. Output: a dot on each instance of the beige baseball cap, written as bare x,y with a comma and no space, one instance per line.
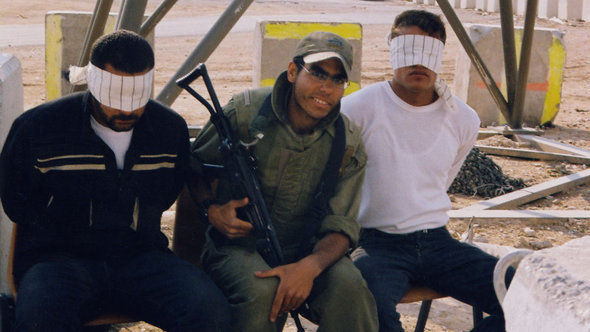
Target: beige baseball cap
322,45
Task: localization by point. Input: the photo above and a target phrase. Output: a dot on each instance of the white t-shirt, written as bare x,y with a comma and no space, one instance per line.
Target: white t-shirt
118,141
414,153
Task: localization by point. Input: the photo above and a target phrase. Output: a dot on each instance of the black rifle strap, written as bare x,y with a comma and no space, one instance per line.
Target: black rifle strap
325,190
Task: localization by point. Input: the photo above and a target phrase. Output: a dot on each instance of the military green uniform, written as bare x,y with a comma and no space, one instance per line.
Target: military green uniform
289,170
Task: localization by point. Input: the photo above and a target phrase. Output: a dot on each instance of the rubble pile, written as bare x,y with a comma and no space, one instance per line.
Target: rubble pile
480,176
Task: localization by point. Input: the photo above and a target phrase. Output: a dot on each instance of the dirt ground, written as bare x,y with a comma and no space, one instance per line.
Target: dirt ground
231,69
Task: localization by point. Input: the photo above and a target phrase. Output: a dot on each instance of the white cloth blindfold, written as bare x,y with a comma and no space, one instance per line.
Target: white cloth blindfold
126,93
411,50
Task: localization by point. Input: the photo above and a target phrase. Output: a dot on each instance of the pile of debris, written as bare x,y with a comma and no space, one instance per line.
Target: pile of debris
480,176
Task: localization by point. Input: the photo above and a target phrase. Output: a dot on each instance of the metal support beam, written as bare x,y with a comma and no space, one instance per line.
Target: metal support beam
523,66
510,65
205,47
483,71
95,30
131,15
149,24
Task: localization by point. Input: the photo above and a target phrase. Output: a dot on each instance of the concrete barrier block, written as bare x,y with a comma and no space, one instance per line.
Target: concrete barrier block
543,93
481,5
494,6
429,2
275,43
520,7
467,4
65,32
547,8
586,10
551,290
455,3
569,9
11,106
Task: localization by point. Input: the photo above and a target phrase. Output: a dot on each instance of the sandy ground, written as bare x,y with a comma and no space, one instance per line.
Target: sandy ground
231,69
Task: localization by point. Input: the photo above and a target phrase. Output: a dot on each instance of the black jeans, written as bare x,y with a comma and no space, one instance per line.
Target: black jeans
391,263
156,287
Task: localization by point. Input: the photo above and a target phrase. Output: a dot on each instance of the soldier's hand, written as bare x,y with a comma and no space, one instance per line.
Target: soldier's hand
296,281
225,219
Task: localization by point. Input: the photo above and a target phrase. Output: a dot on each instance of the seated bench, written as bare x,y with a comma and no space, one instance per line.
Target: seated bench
189,240
426,295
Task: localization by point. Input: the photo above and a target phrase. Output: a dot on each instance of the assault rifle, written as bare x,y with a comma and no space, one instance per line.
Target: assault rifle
240,167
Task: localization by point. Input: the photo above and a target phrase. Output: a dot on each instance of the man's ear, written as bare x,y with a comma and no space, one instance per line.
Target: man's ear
292,70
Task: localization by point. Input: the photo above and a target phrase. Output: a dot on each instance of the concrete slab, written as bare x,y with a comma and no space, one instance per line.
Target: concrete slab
550,145
551,290
532,154
543,93
275,42
11,106
519,216
532,193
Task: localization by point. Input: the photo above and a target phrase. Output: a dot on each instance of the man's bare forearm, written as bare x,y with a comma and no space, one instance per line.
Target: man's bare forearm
328,251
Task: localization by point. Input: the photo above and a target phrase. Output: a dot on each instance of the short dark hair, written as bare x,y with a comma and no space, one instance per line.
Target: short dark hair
124,50
428,22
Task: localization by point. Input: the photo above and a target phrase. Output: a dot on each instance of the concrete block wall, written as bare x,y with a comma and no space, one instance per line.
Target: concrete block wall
547,8
569,9
563,9
481,5
586,10
467,4
275,42
521,7
11,106
65,32
551,290
543,94
494,6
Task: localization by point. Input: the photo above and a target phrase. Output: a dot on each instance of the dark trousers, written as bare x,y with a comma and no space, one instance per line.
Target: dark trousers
156,287
391,263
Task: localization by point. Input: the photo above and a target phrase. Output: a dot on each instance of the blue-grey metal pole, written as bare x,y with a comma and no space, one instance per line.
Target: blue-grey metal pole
131,15
523,66
510,66
483,71
149,24
95,30
205,47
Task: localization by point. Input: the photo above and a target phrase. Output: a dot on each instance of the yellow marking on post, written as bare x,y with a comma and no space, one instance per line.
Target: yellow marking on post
53,56
553,96
267,82
295,30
